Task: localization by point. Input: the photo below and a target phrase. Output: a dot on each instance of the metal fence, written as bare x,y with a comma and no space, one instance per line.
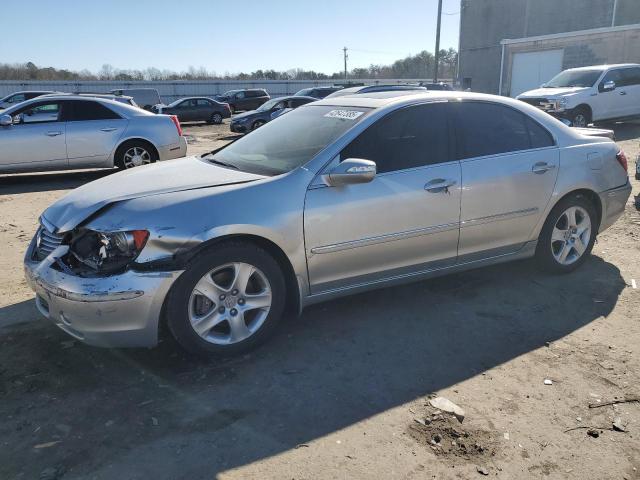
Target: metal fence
172,90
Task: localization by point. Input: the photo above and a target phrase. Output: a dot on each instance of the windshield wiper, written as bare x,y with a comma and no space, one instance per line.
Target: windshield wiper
223,164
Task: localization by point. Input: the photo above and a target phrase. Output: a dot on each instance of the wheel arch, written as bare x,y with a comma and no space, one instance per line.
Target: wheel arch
293,300
122,141
585,106
590,195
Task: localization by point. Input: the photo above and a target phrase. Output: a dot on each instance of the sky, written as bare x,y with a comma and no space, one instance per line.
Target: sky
222,36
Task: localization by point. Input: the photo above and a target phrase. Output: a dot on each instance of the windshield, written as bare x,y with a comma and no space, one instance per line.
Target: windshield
176,102
304,92
269,105
575,78
290,141
229,93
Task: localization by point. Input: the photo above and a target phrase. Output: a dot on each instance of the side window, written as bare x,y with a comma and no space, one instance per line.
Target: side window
201,102
489,129
186,104
613,76
408,138
630,76
240,95
38,113
84,110
539,135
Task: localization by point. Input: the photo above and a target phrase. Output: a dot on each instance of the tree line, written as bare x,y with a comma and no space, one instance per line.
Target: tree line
420,65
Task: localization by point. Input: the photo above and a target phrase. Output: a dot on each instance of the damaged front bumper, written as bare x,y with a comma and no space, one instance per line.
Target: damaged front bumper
120,310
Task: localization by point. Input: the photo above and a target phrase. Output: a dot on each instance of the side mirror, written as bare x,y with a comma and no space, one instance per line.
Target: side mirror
609,86
351,171
6,120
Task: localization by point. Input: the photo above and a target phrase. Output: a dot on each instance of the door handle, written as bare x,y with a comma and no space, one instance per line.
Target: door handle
439,185
108,129
622,92
542,167
53,134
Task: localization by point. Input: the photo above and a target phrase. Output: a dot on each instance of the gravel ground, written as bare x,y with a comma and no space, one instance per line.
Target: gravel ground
343,391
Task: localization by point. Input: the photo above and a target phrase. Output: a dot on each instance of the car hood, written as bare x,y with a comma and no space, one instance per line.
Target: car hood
165,177
551,92
248,114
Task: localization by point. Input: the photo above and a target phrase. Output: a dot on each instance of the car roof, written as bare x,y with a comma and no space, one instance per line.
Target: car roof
123,108
602,67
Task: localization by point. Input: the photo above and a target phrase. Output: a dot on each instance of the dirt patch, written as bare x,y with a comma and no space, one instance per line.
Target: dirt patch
445,436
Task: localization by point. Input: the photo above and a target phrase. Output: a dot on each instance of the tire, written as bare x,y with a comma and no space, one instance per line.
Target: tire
257,124
580,117
562,238
223,332
134,153
215,119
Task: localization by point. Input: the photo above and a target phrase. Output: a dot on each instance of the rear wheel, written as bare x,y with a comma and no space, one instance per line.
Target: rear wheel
228,301
216,118
134,153
568,235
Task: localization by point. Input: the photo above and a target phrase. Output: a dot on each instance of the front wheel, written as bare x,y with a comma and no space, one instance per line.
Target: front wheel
257,124
228,301
568,235
580,117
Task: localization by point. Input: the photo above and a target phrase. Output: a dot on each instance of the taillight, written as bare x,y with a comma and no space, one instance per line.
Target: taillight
622,160
176,122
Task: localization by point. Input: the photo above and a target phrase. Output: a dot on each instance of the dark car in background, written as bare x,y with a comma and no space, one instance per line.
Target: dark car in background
247,121
196,109
436,86
245,99
317,92
375,88
17,97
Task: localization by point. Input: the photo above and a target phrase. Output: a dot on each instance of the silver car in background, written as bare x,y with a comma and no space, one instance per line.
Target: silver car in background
64,132
336,197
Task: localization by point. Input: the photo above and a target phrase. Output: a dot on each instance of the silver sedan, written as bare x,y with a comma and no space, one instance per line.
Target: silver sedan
339,196
65,132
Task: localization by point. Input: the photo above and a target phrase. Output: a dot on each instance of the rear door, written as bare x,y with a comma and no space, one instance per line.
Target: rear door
509,167
204,109
38,143
93,130
405,221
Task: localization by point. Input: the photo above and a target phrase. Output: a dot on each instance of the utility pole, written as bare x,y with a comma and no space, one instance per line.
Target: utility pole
345,62
437,54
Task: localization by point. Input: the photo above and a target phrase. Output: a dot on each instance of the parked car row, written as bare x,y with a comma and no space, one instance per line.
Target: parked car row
338,196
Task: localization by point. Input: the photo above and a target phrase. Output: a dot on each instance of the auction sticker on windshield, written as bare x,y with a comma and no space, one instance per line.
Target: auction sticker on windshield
345,114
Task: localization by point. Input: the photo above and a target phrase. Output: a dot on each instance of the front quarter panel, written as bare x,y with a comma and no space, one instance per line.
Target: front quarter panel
180,222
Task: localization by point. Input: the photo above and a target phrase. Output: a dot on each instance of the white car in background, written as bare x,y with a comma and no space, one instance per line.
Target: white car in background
590,94
66,132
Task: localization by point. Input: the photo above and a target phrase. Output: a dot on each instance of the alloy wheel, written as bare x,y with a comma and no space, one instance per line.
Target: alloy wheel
571,235
136,156
580,120
230,303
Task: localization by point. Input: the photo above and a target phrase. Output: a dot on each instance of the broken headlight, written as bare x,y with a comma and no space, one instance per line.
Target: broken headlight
107,252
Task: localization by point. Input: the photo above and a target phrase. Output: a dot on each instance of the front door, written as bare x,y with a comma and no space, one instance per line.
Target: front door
36,140
405,221
610,103
509,166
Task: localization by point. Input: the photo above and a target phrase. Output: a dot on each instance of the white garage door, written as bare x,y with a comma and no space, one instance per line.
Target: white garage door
531,69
